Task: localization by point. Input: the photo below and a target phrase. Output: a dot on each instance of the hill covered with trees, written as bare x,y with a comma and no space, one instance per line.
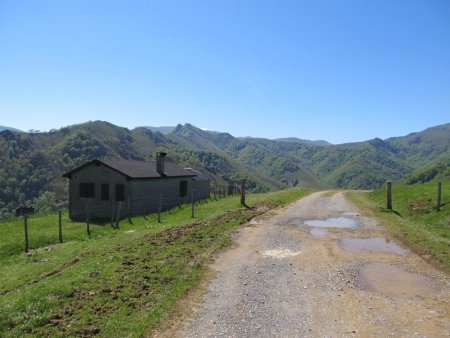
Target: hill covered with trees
32,164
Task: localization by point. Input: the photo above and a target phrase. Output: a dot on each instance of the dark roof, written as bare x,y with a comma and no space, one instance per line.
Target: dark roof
137,169
198,175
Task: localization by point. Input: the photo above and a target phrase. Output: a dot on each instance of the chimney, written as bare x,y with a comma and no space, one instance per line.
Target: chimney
160,158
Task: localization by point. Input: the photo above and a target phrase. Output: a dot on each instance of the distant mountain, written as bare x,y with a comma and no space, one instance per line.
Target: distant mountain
358,165
33,163
162,130
302,141
199,139
10,129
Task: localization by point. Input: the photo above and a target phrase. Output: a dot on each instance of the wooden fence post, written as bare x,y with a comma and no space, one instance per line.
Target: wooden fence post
112,213
159,208
25,220
389,195
129,209
88,229
439,196
60,225
243,186
119,211
193,204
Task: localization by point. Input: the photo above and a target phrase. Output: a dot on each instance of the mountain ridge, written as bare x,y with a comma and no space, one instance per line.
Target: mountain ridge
300,140
2,128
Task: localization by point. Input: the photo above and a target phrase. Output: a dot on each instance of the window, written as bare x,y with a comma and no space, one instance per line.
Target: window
120,192
87,190
183,188
105,192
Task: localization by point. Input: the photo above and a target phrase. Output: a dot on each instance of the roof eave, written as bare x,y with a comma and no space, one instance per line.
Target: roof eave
160,177
69,173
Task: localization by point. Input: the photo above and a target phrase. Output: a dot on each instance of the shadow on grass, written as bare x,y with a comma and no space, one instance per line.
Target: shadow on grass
390,211
248,207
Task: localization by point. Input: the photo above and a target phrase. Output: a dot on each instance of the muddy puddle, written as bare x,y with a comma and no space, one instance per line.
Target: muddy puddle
333,222
377,244
392,280
318,232
280,253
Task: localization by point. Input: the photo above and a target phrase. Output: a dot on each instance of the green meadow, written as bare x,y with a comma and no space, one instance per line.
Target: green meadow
414,218
117,282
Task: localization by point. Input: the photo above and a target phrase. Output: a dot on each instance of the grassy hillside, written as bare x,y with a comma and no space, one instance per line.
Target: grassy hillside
32,164
120,281
425,147
414,219
436,171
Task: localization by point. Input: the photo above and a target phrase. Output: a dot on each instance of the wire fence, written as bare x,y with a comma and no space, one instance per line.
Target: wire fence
142,204
47,230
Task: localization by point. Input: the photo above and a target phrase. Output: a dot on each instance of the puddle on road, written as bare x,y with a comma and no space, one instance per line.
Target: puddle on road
280,253
351,213
338,222
391,280
377,244
318,232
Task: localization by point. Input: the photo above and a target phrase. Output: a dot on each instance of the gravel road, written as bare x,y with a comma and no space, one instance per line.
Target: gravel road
286,279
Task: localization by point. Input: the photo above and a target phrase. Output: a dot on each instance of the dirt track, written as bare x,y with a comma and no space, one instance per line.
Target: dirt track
284,278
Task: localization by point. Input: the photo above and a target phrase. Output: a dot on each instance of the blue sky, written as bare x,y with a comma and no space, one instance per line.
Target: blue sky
339,70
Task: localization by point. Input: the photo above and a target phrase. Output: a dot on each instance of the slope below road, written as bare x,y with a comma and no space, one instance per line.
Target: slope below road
285,278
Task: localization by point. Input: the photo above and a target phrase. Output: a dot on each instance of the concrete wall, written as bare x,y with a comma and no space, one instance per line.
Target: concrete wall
97,208
141,196
146,194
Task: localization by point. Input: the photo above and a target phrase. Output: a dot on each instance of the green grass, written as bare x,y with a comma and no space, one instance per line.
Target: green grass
121,282
414,219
